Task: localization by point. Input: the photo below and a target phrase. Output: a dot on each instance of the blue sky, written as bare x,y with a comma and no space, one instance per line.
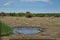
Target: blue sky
34,6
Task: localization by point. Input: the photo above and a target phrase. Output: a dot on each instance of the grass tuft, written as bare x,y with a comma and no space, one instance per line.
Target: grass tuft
5,29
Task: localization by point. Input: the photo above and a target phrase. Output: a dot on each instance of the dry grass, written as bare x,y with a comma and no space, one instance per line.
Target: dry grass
51,25
35,21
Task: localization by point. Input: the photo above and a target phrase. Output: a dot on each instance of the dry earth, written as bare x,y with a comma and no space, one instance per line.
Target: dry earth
50,25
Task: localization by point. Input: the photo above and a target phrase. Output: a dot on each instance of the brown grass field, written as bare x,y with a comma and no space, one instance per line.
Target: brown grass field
51,26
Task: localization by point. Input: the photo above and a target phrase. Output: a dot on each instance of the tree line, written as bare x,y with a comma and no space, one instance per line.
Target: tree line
28,14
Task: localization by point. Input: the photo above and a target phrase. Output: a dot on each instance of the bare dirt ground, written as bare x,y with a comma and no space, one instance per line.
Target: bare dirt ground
51,26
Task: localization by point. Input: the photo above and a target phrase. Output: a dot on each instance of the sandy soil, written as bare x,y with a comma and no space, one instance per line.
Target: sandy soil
50,25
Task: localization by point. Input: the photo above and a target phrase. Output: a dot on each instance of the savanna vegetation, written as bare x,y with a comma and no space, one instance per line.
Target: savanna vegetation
28,14
51,26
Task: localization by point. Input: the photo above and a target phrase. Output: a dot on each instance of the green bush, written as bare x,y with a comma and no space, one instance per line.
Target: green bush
28,15
5,29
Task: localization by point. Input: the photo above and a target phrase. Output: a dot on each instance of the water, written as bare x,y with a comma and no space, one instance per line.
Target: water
24,31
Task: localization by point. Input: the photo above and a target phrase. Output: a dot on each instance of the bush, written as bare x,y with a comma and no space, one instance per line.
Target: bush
28,15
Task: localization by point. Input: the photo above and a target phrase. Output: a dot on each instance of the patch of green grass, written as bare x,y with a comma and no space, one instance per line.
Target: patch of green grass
5,29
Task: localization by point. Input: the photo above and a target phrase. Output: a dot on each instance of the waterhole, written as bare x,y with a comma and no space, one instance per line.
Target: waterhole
17,31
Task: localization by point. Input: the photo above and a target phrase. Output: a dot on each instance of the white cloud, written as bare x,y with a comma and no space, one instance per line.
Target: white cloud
7,3
35,0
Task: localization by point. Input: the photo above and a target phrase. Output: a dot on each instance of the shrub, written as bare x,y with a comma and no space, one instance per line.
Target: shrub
28,15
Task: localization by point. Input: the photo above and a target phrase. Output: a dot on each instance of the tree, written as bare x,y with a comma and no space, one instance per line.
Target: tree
12,14
3,14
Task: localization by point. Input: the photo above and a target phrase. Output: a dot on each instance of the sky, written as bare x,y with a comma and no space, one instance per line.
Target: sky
34,6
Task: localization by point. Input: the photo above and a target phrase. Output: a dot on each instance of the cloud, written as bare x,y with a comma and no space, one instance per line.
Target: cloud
34,0
7,3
